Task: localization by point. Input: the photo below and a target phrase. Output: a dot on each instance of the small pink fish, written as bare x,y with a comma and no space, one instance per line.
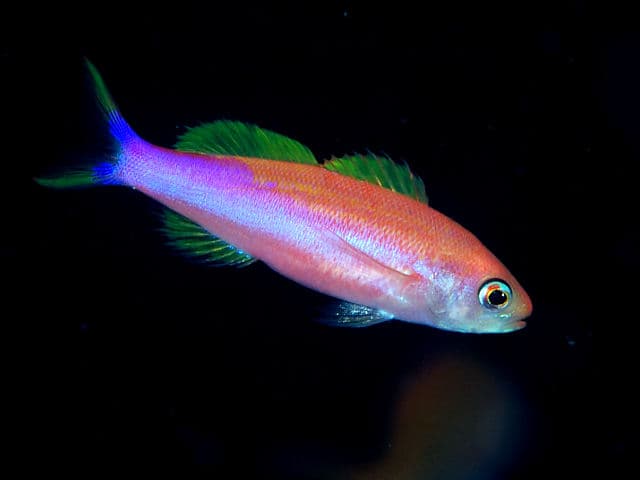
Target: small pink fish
357,228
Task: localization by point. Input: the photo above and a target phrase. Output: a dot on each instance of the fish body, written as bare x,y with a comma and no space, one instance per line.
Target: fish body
386,253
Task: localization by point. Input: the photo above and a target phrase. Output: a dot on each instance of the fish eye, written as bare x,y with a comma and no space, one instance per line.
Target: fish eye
494,294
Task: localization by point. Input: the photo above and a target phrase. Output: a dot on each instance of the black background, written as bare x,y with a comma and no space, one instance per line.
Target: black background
523,123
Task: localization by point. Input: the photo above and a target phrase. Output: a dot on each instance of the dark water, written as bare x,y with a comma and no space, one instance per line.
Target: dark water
130,359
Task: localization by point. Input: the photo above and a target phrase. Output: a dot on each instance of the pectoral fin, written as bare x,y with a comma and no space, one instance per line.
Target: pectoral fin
346,314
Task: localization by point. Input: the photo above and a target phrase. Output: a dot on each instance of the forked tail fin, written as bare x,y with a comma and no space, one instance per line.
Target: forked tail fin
105,171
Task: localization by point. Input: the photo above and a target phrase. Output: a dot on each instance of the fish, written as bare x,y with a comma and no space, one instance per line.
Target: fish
357,228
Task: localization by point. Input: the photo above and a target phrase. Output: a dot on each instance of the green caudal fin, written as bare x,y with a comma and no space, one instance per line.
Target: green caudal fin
102,172
78,177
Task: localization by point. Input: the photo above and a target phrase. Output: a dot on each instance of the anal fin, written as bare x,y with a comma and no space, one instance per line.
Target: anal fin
193,240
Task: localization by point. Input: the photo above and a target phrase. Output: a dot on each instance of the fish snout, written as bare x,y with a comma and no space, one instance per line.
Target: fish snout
522,310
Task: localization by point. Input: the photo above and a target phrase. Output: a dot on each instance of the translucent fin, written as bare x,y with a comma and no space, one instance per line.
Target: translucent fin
244,140
380,171
193,240
346,314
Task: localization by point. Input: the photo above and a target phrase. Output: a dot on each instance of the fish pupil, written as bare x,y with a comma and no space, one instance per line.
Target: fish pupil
497,298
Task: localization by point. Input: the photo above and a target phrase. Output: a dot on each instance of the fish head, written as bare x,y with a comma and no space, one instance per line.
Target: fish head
488,305
478,296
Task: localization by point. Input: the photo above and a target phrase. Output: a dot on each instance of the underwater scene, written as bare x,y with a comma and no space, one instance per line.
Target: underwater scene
321,240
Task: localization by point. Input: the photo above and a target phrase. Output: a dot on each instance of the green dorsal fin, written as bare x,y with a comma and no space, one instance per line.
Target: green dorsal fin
380,171
193,240
243,139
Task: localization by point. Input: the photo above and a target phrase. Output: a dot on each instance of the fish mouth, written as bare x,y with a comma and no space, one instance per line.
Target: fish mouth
506,327
514,326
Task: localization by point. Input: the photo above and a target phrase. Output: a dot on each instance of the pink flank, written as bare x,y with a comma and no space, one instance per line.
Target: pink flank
344,237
